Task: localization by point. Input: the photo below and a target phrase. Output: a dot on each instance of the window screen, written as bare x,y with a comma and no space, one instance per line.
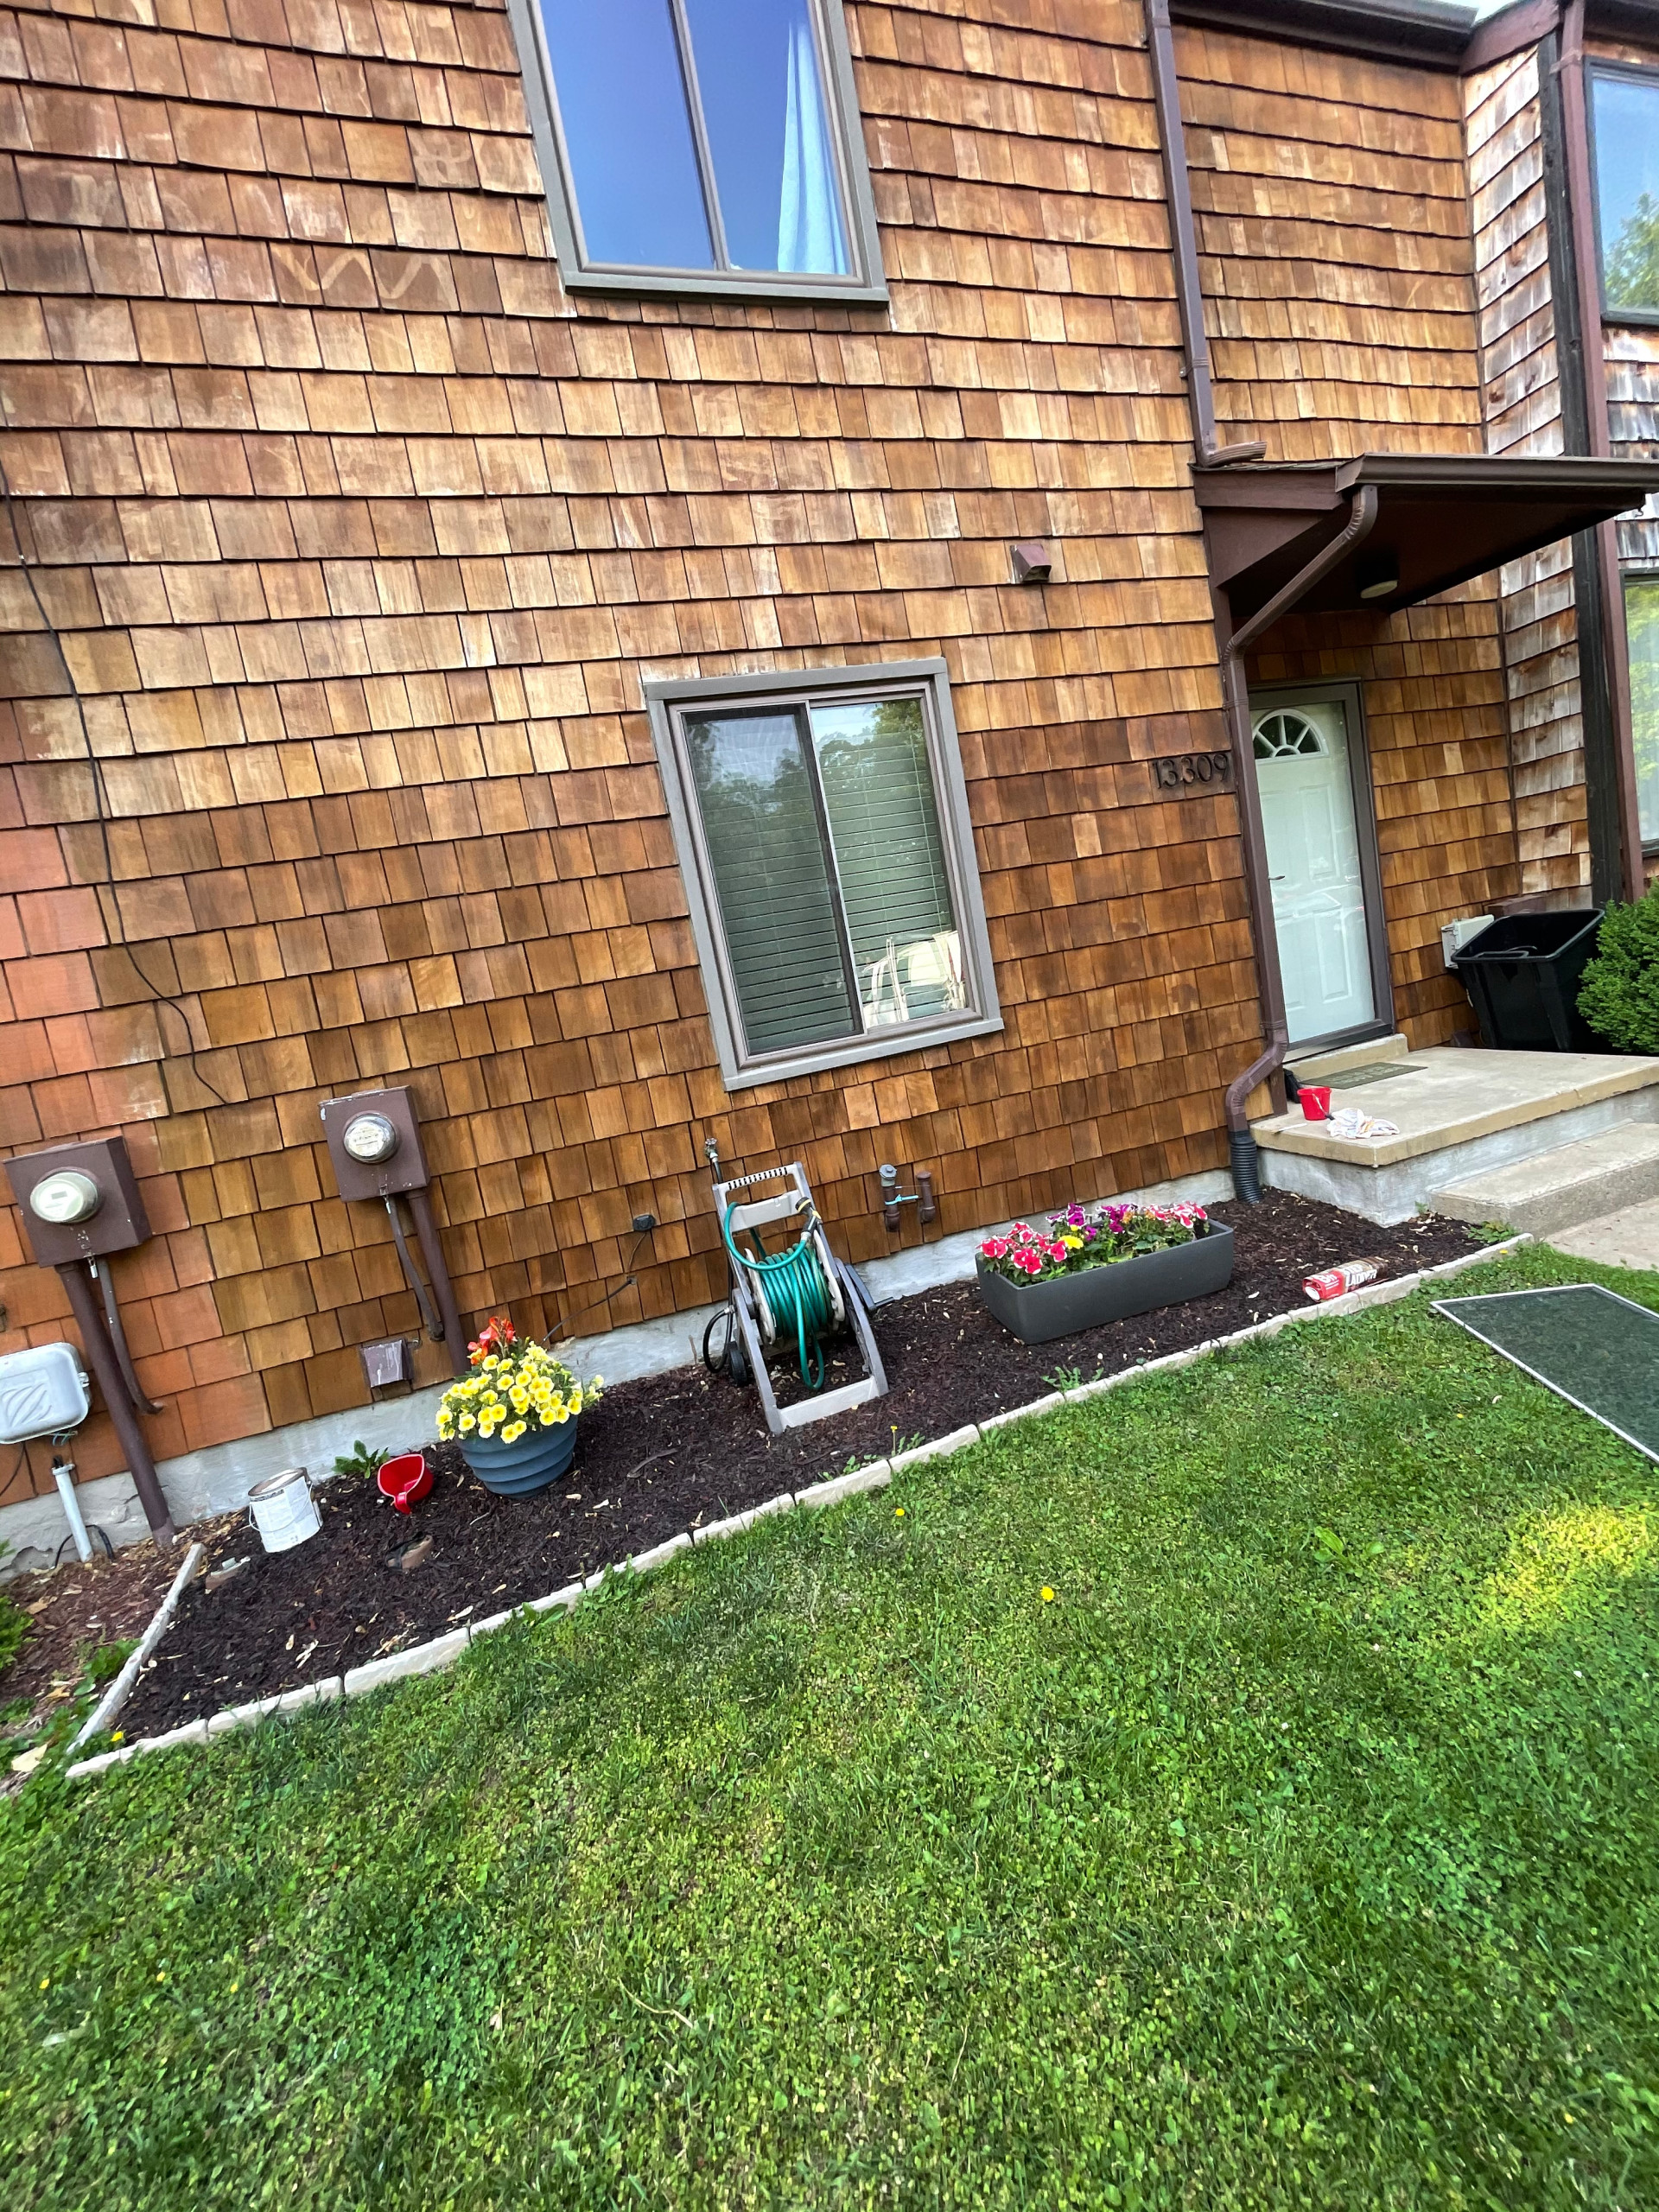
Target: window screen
701,135
1625,112
827,852
884,828
1641,623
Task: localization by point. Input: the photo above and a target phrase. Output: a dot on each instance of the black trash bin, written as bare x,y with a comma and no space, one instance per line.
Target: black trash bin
1522,975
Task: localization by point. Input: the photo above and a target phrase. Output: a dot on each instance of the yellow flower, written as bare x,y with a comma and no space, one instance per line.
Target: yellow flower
1048,1595
118,1735
559,1414
513,1431
466,1422
898,1512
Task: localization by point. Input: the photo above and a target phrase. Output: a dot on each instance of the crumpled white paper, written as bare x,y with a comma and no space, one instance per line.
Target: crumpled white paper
1349,1122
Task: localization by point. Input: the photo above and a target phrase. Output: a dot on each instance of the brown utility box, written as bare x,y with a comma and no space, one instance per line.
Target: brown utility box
383,1178
120,1221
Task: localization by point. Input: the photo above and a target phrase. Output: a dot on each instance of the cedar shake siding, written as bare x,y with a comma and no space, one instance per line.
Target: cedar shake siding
1339,270
361,538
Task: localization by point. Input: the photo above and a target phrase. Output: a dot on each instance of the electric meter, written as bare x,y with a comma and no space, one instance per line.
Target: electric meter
370,1138
65,1196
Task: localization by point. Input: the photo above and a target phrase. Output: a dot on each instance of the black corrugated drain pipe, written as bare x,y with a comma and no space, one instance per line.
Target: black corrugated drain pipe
1241,1144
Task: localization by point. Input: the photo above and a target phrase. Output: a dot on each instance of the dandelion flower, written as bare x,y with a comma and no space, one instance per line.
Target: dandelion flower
898,1512
1048,1595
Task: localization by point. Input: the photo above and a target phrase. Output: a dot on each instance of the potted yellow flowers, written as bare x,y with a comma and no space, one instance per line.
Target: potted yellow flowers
515,1415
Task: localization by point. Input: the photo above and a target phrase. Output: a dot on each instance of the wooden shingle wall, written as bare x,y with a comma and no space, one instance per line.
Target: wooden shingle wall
1328,192
360,536
1339,269
1523,416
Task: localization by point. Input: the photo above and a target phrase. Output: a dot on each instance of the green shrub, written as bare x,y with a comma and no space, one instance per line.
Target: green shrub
13,1624
1619,998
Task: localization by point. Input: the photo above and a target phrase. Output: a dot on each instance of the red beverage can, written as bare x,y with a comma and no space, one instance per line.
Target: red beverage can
1337,1282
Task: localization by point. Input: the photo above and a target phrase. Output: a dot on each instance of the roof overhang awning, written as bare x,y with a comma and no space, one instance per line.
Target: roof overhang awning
1440,518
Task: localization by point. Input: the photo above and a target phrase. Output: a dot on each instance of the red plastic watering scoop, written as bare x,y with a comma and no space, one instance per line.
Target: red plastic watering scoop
405,1479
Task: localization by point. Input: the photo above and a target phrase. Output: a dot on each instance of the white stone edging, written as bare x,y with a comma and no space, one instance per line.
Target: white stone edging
443,1651
121,1688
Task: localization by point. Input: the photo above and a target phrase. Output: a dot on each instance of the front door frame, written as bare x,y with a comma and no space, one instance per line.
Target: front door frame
1263,699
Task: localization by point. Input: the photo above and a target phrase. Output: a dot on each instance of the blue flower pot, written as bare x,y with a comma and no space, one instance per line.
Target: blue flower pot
528,1464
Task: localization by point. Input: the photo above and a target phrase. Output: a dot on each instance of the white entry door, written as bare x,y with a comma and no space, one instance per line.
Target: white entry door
1313,860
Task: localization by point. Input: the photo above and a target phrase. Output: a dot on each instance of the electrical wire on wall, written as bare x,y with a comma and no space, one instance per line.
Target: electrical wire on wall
562,1327
115,927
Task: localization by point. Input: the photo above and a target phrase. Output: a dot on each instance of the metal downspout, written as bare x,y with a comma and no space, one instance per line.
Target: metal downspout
1183,246
1362,517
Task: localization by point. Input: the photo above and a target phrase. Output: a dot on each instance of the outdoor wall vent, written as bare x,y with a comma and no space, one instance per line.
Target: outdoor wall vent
1032,563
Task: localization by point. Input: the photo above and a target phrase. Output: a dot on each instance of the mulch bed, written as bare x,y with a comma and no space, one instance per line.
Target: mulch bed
672,1451
72,1610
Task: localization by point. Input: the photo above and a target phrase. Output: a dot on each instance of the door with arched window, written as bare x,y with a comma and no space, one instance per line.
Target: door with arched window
1320,830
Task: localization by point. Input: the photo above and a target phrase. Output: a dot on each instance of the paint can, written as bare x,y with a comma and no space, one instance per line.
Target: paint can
284,1511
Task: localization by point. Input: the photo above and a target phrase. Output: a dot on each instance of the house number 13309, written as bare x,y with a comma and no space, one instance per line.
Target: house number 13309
1187,771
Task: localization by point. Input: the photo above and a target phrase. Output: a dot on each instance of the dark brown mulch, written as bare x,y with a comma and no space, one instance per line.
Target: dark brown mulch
74,1608
664,1453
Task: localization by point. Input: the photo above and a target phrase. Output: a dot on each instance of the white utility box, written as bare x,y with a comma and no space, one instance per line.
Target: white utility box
42,1393
1455,935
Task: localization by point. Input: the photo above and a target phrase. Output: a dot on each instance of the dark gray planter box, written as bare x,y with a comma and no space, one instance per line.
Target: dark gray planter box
1037,1311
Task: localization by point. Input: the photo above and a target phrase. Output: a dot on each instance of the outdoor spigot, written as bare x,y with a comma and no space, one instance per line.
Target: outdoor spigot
891,1200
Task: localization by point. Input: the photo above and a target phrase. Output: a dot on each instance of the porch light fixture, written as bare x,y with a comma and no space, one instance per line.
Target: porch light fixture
1379,576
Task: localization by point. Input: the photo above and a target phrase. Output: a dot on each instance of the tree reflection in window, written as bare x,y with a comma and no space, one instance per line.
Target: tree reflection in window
1285,733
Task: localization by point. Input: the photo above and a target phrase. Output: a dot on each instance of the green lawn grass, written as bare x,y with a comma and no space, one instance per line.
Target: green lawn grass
1303,1850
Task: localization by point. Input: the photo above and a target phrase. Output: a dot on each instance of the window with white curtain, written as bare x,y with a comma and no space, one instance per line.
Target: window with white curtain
822,829
702,145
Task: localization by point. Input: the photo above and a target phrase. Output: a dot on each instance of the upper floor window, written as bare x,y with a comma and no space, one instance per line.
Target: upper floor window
1624,125
822,828
702,146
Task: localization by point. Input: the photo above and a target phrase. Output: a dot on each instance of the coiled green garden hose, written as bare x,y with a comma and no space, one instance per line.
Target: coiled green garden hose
795,1291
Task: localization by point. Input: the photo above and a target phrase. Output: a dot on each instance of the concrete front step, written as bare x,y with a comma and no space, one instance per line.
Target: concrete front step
1344,1060
1629,1238
1458,1116
1557,1190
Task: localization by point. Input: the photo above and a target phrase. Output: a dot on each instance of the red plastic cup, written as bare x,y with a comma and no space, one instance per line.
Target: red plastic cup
1315,1102
406,1480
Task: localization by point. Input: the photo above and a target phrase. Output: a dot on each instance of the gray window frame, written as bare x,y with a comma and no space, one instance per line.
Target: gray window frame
866,283
1634,73
929,681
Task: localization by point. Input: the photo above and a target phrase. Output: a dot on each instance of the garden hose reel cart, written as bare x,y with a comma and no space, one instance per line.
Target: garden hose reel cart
793,1298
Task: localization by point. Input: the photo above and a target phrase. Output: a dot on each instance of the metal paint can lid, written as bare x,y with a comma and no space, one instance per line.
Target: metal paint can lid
274,1486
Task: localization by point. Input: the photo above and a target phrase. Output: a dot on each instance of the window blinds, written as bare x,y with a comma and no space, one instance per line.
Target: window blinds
822,830
884,825
760,825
